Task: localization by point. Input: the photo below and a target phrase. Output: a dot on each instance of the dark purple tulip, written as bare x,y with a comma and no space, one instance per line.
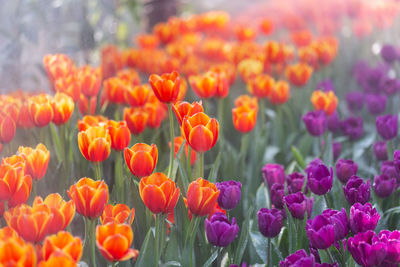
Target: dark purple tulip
384,185
345,168
339,221
295,182
391,86
327,264
380,150
356,190
229,194
363,218
336,150
298,204
389,54
396,160
315,122
355,100
298,259
326,85
392,240
388,168
277,194
374,78
273,173
220,232
367,249
376,103
315,253
320,178
320,232
387,126
352,127
333,122
270,222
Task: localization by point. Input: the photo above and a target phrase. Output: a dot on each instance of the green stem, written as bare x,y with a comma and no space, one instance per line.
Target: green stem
119,192
189,163
97,171
262,116
201,164
88,112
34,189
171,129
269,253
328,204
330,255
218,256
220,116
114,263
157,237
243,153
192,233
93,241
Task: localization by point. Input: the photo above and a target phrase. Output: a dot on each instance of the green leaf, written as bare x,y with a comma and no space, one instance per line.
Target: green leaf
298,157
262,197
212,177
260,243
146,255
171,263
172,252
56,142
244,237
211,259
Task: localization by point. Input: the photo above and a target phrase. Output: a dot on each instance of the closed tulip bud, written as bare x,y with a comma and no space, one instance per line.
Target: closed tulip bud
280,93
120,213
202,197
384,185
159,193
367,249
229,194
392,240
136,119
113,240
320,232
41,109
36,160
356,190
387,126
380,151
363,218
220,231
137,96
63,106
345,168
396,160
119,133
244,118
246,100
62,243
165,87
315,122
320,178
90,197
339,221
183,108
277,192
352,127
95,143
376,103
16,185
270,222
7,128
299,258
69,85
298,204
333,122
141,159
389,53
388,168
295,182
89,80
273,173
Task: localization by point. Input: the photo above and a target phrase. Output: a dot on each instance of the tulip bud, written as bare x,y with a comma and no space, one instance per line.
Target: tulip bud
345,168
220,232
270,222
229,194
356,190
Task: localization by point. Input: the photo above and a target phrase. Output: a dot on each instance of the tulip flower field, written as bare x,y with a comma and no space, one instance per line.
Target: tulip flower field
265,139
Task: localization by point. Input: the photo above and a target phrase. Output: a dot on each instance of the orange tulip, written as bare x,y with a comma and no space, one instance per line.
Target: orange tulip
301,38
120,213
244,118
182,90
130,76
246,100
200,131
141,159
147,41
137,96
166,86
69,85
298,74
280,93
183,108
225,68
250,68
14,251
7,128
308,55
115,89
58,66
90,80
178,141
156,112
136,119
14,161
63,106
113,240
63,212
274,52
15,185
120,134
326,101
261,85
24,120
201,197
95,143
204,85
62,244
267,26
58,260
90,197
37,160
245,34
159,193
41,109
222,84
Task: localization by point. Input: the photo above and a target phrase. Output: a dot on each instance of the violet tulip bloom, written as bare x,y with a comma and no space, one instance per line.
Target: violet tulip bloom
396,160
389,53
295,182
380,151
320,178
220,232
320,232
273,173
363,218
355,101
339,221
315,122
392,240
376,103
387,126
345,168
384,185
325,85
277,193
229,194
352,127
270,222
299,258
389,168
356,190
298,204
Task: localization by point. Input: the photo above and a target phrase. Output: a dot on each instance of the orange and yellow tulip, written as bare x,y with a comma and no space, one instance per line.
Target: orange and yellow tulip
183,108
63,106
245,33
69,85
62,244
200,131
147,41
159,193
274,52
115,89
267,26
222,84
7,128
204,85
58,66
326,101
119,133
298,74
301,38
131,76
120,213
90,120
36,160
157,113
14,251
166,87
261,85
201,197
24,120
280,93
95,143
111,61
250,68
246,100
113,240
90,197
137,96
15,185
244,118
41,109
141,159
136,119
89,80
58,260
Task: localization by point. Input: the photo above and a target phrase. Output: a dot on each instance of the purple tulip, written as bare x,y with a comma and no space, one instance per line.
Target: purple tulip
389,169
229,194
315,122
391,86
339,221
298,204
277,194
295,182
387,126
220,232
327,264
389,54
320,232
380,150
363,218
333,122
384,185
376,103
396,160
345,168
392,240
355,101
273,173
356,190
320,178
374,78
325,85
298,259
270,222
352,127
367,249
336,150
